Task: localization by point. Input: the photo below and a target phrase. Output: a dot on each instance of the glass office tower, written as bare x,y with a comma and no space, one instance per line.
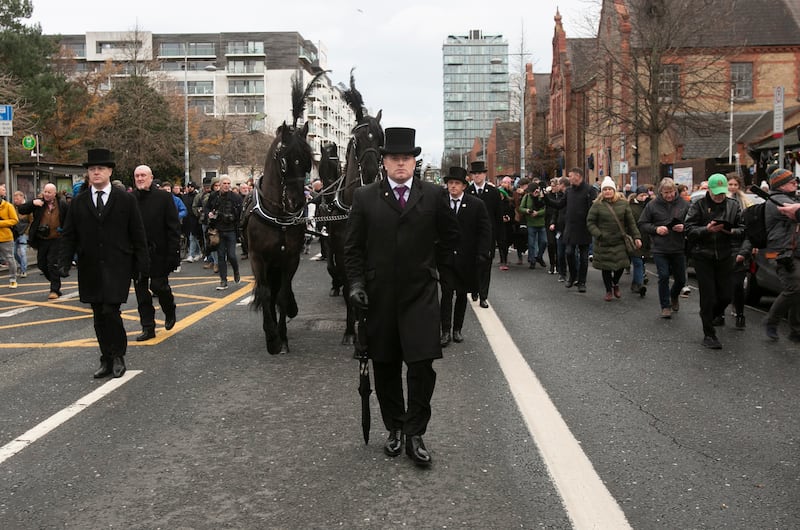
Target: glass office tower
475,88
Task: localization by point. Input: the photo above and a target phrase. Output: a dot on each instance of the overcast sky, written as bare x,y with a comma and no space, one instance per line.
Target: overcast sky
395,47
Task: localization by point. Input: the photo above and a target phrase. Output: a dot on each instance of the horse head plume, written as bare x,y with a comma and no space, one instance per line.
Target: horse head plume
300,95
354,99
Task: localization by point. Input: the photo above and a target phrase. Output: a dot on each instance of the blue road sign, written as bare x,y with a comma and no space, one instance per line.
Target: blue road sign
6,112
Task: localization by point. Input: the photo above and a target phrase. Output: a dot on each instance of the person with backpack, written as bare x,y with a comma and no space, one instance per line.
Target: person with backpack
713,226
782,246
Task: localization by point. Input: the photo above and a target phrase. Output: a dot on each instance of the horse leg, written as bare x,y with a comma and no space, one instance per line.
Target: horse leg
283,334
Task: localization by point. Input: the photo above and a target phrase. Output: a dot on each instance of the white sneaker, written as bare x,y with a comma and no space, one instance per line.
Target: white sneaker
188,259
222,286
23,274
178,269
317,257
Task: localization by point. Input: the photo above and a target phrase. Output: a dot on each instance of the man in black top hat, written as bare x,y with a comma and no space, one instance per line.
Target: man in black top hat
459,275
390,257
104,224
491,198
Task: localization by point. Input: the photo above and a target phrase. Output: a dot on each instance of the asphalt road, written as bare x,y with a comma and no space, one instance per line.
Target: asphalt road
215,433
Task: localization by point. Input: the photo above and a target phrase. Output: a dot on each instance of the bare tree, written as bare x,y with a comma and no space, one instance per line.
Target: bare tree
657,72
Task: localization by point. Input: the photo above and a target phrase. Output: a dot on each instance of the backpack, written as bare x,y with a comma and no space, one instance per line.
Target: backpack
755,225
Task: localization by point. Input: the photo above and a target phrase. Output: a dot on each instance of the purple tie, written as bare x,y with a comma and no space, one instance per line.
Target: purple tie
401,195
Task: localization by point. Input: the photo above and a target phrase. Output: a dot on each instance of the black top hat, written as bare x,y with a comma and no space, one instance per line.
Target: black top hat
479,166
457,173
191,184
400,141
100,157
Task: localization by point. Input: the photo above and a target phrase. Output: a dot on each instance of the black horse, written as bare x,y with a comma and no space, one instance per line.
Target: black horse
362,167
330,171
276,233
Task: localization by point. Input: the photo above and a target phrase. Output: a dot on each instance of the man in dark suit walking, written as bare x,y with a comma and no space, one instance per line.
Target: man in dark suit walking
390,257
104,225
491,198
471,256
161,225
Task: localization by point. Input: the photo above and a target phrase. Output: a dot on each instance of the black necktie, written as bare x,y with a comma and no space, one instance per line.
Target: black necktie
455,205
100,202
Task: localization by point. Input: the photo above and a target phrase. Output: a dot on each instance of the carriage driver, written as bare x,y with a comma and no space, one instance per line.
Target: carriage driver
394,225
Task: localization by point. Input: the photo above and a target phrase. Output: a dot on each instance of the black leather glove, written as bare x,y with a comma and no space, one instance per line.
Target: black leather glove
358,296
63,270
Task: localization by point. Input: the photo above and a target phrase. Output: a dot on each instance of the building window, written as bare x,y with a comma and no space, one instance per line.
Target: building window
245,47
742,80
110,46
669,82
245,86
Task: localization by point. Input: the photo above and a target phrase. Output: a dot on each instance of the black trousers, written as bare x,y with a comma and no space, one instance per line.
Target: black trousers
715,286
452,318
420,381
485,275
110,331
145,289
47,261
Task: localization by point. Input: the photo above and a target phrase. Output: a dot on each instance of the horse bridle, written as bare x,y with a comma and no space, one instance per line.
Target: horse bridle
289,218
359,165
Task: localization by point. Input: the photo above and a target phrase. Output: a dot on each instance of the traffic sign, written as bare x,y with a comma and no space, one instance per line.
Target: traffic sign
29,142
6,115
777,111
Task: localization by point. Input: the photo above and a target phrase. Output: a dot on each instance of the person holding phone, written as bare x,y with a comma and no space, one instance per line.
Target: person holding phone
714,230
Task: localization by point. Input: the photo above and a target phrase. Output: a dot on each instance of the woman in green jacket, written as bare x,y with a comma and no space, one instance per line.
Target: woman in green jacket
608,211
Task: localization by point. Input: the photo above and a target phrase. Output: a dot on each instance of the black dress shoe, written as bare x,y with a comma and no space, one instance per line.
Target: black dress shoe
581,287
444,339
169,321
569,283
484,304
457,336
474,297
118,367
147,334
104,370
416,451
394,443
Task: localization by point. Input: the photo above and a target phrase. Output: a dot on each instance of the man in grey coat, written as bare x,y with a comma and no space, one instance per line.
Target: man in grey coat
391,263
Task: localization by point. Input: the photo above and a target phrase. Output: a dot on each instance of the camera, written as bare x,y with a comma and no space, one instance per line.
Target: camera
43,231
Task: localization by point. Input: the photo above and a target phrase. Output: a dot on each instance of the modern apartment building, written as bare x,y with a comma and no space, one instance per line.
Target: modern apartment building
475,87
244,76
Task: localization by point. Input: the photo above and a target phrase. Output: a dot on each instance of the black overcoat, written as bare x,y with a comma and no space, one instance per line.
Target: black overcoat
493,202
574,206
476,240
111,248
161,225
392,252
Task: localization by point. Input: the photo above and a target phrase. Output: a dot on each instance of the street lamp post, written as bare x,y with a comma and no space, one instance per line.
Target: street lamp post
186,117
208,68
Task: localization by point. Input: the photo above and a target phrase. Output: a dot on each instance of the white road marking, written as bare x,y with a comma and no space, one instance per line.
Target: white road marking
23,441
17,311
246,300
587,501
70,296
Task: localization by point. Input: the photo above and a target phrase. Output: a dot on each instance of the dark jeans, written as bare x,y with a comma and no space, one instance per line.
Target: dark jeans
110,331
714,283
788,302
666,265
561,256
537,241
577,262
420,382
47,261
145,289
737,285
227,252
